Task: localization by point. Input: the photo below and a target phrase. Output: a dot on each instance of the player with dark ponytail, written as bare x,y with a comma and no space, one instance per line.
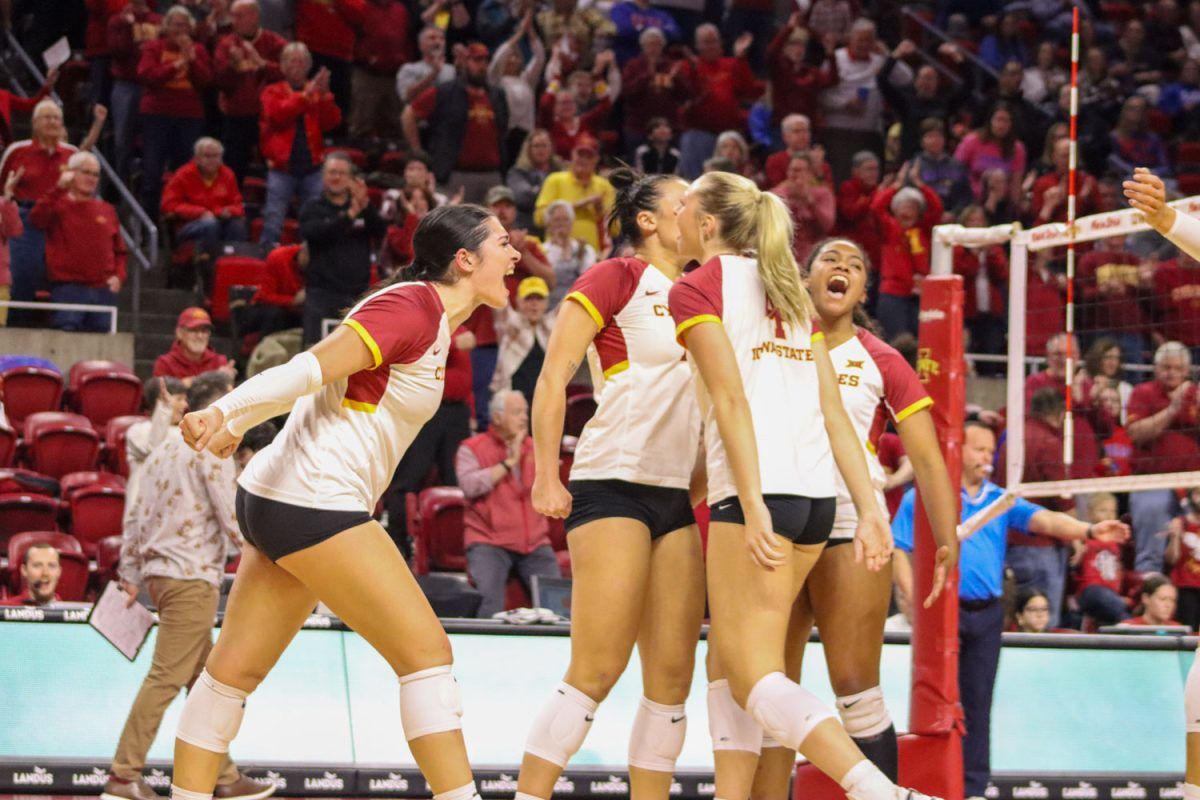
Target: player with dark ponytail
638,574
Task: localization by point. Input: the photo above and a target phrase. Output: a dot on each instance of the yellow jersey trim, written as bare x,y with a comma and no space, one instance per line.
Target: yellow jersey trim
620,366
358,405
684,326
924,402
871,447
368,340
818,336
591,309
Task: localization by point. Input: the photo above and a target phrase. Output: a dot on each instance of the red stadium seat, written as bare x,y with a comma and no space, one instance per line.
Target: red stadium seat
72,483
18,544
23,511
96,513
108,556
580,409
8,446
57,443
254,190
357,156
15,480
28,390
81,370
393,161
114,443
440,509
233,271
1189,183
1187,156
515,595
100,398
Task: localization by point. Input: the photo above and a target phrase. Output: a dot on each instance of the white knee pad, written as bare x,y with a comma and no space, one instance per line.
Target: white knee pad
561,726
429,703
657,737
864,714
212,714
731,727
786,711
1191,697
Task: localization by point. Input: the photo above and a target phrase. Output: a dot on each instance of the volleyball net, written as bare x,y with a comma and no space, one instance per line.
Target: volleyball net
1133,294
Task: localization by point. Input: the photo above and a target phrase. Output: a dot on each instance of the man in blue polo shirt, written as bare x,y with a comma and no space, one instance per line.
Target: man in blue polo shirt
980,585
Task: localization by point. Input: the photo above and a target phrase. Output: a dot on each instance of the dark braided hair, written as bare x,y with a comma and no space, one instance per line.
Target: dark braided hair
635,193
440,234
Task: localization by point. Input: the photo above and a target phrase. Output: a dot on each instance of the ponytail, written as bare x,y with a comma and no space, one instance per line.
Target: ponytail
777,264
758,224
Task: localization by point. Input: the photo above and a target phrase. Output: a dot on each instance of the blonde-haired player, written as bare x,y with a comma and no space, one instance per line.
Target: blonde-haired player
773,427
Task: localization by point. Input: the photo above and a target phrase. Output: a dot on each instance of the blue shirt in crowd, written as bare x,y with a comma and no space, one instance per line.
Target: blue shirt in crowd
981,555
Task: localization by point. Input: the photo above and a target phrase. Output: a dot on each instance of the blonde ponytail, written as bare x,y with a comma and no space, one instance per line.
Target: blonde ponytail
758,224
777,265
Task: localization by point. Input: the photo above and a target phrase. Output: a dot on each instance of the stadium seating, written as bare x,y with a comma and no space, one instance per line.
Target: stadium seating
57,443
438,530
101,390
8,446
19,543
115,457
108,556
28,390
233,271
96,513
73,482
15,480
23,511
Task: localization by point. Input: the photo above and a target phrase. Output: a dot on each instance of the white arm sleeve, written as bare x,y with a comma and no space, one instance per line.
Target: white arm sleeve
1185,234
273,391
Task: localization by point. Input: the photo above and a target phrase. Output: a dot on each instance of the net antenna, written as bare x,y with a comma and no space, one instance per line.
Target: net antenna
1021,243
1073,138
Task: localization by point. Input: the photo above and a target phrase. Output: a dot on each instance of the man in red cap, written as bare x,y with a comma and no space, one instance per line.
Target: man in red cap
191,355
588,192
465,119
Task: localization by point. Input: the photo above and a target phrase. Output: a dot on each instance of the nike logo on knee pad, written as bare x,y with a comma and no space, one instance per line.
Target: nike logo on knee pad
678,719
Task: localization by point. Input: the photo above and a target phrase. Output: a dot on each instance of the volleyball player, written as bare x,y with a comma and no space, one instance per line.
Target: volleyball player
850,604
637,566
1147,194
357,399
773,427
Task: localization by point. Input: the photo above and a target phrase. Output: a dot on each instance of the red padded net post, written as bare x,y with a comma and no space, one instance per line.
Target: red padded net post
931,756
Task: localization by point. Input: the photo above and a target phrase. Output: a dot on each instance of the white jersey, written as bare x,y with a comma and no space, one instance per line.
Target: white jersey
778,373
1185,233
646,428
340,446
876,385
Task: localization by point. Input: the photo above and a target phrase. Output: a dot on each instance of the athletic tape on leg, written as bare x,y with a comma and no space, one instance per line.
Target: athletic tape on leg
1191,697
786,710
211,715
429,703
561,726
729,725
657,737
864,714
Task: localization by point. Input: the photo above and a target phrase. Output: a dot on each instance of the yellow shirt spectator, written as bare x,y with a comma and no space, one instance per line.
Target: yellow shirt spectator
591,195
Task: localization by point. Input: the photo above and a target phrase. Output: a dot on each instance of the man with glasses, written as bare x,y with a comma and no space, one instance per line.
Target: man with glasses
465,120
337,227
980,586
190,355
85,253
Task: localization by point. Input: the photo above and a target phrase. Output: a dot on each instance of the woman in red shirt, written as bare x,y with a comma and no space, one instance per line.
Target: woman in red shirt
1159,599
906,216
173,69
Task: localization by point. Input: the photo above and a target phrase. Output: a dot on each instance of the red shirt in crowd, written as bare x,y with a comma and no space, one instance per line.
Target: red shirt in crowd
327,26
188,195
42,167
904,252
399,240
175,363
95,36
282,280
385,41
169,89
1176,449
1108,283
776,166
716,91
1177,300
504,516
281,107
458,381
83,239
1086,197
968,262
480,151
794,88
1101,565
240,81
1186,572
25,599
10,102
650,90
1144,621
10,228
127,32
855,220
1116,454
890,450
1046,314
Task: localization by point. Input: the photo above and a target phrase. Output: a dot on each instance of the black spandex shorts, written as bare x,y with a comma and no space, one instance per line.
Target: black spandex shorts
659,508
804,520
280,529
